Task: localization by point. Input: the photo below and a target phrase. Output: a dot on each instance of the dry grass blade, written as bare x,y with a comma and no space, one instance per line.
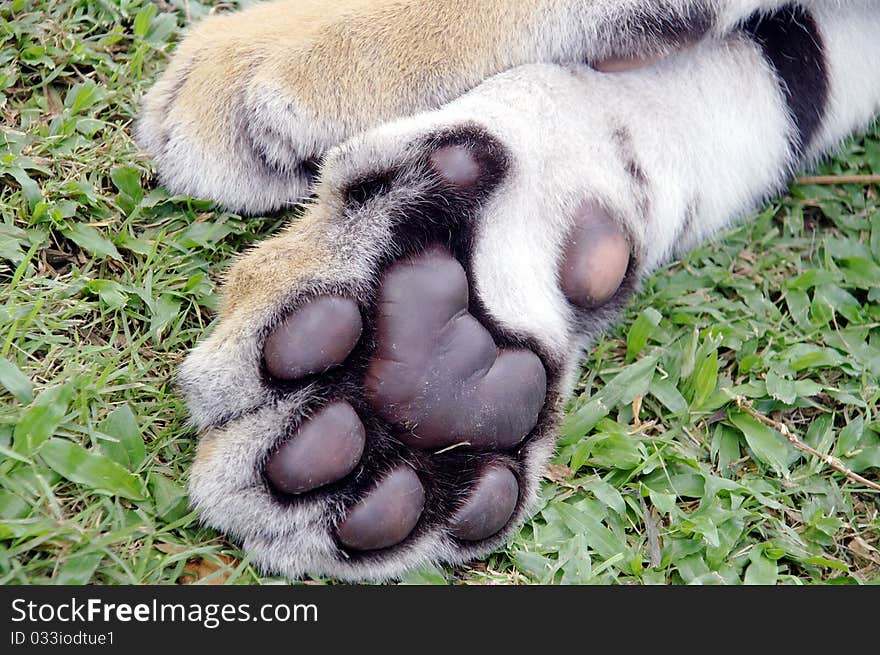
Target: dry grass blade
653,533
838,179
792,438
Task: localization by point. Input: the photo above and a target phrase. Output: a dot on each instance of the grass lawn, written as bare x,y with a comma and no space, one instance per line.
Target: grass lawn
672,466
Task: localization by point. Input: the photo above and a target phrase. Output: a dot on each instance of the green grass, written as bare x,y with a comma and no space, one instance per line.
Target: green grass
106,282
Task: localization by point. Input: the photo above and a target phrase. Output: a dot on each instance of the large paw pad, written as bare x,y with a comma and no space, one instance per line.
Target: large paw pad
436,371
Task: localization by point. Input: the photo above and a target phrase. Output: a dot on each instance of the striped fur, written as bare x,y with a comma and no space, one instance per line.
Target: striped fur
676,151
252,100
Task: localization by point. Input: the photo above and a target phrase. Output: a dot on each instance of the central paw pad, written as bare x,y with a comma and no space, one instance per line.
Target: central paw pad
436,370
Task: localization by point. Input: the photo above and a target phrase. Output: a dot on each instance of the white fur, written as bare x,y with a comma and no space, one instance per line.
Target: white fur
229,173
709,129
852,48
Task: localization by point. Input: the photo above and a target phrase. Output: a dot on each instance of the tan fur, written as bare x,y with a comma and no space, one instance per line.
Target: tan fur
556,125
260,276
209,448
254,99
310,50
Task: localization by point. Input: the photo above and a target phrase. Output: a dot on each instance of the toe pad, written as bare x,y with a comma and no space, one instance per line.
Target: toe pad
388,513
324,449
490,506
596,257
316,337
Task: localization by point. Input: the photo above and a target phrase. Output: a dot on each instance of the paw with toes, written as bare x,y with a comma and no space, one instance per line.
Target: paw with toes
400,394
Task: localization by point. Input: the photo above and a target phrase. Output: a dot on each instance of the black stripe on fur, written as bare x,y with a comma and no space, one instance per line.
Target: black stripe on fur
792,44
